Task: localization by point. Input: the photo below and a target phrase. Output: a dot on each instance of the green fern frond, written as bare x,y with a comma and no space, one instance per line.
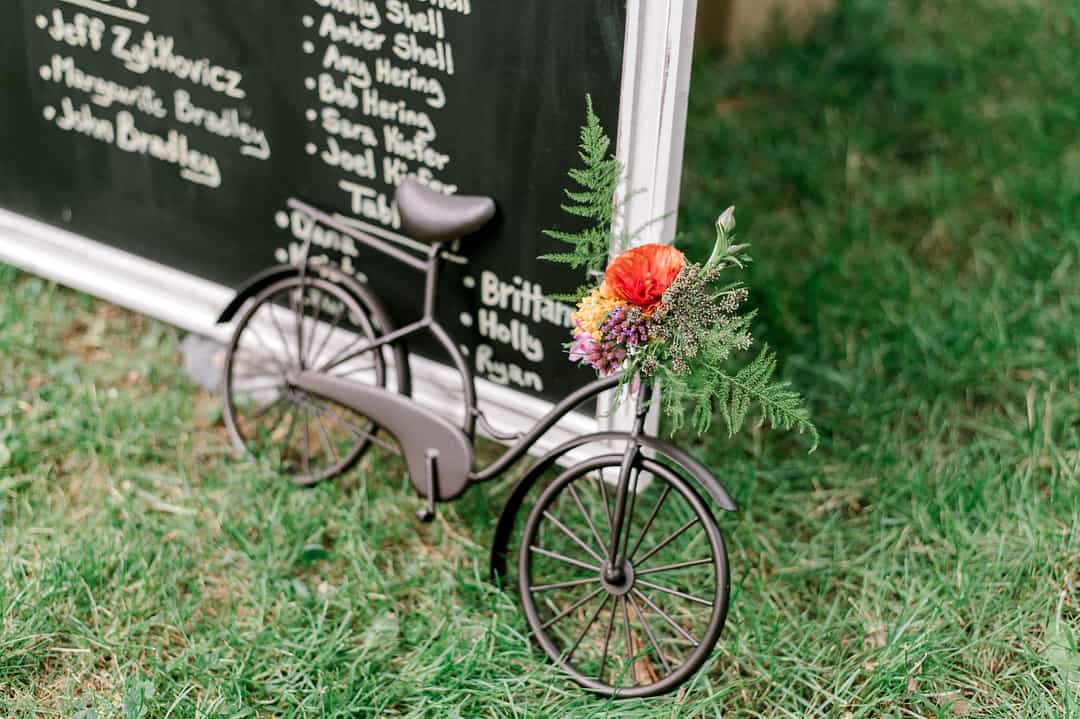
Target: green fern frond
593,199
564,257
694,398
780,405
572,297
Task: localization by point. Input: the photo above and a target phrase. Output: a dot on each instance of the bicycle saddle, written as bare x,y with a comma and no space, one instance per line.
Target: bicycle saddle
432,217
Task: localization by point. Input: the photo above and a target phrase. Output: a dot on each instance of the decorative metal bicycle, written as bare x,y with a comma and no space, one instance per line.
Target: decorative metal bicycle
621,565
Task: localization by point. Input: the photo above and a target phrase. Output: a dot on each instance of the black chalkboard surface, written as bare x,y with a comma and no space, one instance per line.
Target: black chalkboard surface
177,130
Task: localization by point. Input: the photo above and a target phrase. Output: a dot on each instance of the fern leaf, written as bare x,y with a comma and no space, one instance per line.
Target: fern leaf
781,406
593,199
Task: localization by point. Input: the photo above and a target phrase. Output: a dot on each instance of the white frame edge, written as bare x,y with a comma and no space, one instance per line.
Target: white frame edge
652,133
652,122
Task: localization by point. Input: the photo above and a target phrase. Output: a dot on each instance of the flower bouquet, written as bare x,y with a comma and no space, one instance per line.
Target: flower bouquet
658,317
655,308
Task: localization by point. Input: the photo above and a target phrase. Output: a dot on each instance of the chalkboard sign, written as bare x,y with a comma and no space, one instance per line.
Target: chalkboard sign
176,132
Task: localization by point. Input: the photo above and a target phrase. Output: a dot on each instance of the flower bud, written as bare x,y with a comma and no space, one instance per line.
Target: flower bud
726,222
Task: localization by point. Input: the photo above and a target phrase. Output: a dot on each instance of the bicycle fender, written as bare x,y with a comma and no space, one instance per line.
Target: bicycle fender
253,286
368,299
505,527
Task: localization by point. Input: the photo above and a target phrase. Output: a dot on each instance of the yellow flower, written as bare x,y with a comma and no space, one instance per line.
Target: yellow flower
593,308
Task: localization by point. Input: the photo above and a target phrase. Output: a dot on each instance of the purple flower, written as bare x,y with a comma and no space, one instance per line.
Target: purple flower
622,332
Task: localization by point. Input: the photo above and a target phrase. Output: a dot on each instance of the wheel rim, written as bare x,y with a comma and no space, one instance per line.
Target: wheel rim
641,628
296,324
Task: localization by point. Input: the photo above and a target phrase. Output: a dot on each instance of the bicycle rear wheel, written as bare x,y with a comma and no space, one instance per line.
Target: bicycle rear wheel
295,324
645,626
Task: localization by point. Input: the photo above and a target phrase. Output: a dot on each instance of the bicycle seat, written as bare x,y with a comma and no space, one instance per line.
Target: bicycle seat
432,217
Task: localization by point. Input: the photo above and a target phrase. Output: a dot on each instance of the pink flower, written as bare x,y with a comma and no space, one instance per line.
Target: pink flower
584,346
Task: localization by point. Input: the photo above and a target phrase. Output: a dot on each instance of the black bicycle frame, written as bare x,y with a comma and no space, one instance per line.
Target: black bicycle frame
431,266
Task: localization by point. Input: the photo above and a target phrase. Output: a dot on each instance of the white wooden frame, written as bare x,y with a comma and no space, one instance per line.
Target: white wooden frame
651,133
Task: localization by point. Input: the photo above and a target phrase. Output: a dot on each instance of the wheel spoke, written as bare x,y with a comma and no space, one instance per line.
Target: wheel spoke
289,434
607,640
298,314
371,367
574,537
604,496
563,558
630,653
572,607
664,615
279,417
267,407
629,520
675,592
649,632
310,337
649,521
330,333
670,567
253,388
307,442
324,437
269,351
588,519
564,585
270,307
353,430
342,355
252,362
586,628
671,538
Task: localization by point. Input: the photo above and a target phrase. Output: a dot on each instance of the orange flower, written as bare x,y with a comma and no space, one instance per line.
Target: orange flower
640,275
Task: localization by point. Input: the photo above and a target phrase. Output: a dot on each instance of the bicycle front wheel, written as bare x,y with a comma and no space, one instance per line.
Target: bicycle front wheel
644,624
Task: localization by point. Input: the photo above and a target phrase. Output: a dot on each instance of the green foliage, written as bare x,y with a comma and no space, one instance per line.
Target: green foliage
594,201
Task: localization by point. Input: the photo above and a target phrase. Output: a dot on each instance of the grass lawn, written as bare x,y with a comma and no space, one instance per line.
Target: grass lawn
910,179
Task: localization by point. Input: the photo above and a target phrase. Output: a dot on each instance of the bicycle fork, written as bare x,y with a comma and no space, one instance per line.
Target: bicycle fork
625,494
615,567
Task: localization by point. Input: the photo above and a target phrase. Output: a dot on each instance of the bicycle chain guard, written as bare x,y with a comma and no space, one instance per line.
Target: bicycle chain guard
420,432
